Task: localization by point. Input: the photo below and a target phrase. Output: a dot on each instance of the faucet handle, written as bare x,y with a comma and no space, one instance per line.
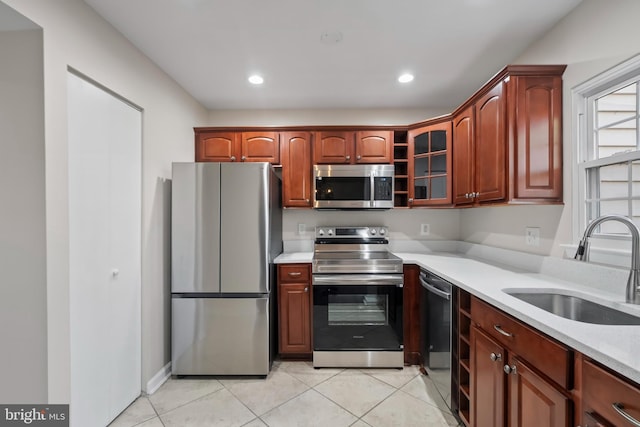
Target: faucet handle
582,250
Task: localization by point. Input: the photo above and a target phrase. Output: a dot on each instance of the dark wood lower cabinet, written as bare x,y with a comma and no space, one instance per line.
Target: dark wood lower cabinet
602,390
294,311
533,401
487,380
518,376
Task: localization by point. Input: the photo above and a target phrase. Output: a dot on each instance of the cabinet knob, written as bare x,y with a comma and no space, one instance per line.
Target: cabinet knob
466,196
306,200
510,369
243,158
233,158
348,157
495,357
358,157
410,200
306,289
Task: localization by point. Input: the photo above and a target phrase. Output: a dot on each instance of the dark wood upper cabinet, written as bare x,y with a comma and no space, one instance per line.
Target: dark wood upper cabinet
430,161
501,146
508,139
295,155
463,157
217,146
227,146
490,146
353,147
260,147
374,147
538,138
333,147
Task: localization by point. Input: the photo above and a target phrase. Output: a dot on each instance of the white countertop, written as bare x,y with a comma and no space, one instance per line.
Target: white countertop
617,347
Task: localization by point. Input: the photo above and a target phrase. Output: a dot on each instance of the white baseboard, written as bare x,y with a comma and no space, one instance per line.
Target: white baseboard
158,379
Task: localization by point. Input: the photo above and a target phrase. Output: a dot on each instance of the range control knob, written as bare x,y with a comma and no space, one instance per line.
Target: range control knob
321,232
330,232
373,231
383,231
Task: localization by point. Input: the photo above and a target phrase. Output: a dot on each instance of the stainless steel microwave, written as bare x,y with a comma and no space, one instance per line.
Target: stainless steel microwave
353,186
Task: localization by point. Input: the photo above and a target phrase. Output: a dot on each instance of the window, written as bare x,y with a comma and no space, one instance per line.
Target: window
609,142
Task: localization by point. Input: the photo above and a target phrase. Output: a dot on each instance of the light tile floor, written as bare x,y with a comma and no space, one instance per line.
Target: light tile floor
295,394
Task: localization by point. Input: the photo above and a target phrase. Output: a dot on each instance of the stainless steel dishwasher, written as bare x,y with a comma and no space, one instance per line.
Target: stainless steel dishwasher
436,325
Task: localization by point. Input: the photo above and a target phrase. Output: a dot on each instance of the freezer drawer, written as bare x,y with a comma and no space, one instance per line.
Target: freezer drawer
220,336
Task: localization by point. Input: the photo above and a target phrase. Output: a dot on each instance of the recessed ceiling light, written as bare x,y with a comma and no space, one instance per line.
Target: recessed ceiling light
405,78
256,79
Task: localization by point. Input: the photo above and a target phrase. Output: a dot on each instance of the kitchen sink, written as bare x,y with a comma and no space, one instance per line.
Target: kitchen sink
574,308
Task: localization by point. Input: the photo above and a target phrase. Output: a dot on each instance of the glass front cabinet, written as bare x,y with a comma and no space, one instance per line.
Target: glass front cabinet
430,165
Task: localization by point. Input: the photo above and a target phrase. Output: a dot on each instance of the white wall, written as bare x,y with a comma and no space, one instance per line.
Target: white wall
594,37
23,293
75,36
335,117
404,224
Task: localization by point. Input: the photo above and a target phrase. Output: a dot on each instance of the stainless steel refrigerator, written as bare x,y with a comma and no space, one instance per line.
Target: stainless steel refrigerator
226,231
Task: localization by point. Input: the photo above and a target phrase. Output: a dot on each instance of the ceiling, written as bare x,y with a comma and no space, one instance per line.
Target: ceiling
211,47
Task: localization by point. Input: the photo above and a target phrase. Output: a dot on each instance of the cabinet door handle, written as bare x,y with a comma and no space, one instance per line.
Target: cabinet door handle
510,369
243,158
502,331
306,200
619,407
495,357
348,157
306,289
358,157
295,273
233,158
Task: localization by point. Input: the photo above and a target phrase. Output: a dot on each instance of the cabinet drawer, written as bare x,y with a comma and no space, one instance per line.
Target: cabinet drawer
601,390
293,273
548,356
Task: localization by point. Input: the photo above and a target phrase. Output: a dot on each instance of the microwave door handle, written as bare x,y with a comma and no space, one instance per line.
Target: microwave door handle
372,183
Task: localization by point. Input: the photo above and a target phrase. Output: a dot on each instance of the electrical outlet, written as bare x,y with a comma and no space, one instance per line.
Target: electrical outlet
424,229
532,236
301,229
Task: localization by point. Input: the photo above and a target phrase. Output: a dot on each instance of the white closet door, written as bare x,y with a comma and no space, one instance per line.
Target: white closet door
104,246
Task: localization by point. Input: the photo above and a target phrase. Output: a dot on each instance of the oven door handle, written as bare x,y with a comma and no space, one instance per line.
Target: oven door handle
358,279
435,290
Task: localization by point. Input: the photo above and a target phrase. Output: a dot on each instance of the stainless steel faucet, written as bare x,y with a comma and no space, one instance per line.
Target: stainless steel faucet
633,283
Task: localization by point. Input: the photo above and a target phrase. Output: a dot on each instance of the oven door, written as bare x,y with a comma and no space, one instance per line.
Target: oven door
356,317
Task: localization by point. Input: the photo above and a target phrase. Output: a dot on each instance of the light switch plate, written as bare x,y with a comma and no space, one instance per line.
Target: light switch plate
424,229
301,229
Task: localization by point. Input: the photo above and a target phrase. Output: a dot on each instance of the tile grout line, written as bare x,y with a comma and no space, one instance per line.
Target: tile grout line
186,403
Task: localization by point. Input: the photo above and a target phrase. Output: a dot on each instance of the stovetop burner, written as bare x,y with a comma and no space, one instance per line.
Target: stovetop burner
357,250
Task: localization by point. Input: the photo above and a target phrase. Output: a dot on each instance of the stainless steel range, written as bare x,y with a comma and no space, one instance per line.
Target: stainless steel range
357,299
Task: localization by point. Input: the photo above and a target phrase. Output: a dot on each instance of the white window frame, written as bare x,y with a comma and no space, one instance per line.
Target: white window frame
582,124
